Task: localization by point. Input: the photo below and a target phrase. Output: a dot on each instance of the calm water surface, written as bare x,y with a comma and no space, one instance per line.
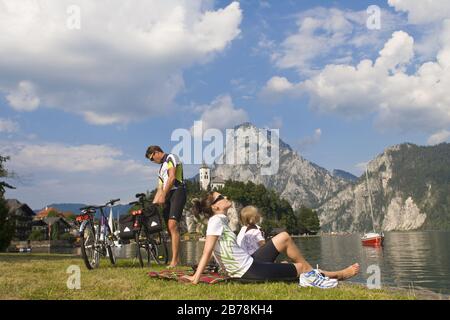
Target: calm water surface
418,259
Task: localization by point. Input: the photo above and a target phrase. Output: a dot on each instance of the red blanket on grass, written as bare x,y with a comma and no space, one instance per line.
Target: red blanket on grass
209,278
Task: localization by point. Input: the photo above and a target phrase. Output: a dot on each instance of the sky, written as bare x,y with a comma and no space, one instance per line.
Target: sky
87,86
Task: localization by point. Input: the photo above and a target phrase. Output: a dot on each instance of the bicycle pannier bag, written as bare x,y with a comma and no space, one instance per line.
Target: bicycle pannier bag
126,227
152,219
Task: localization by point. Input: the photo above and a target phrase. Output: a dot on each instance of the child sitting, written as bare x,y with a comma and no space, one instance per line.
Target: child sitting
251,237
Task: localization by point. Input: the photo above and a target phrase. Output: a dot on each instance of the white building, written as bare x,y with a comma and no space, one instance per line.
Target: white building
205,177
206,182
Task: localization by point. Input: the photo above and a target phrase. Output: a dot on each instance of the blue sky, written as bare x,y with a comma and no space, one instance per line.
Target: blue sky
89,101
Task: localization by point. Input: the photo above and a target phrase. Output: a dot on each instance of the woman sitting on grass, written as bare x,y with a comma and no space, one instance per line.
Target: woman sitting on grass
221,240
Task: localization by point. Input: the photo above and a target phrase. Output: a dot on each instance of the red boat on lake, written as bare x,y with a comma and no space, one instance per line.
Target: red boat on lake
372,239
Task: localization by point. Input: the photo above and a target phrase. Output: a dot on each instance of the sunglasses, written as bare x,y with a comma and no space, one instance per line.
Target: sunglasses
151,157
220,197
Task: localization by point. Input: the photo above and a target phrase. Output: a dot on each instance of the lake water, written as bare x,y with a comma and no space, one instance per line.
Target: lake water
408,259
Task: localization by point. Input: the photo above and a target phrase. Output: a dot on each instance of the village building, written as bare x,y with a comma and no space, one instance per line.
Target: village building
22,217
206,181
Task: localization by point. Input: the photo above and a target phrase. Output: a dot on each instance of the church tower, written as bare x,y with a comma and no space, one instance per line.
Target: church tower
205,177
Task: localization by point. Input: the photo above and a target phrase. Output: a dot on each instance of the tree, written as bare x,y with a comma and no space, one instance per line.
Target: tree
6,227
54,234
36,235
276,212
308,220
53,214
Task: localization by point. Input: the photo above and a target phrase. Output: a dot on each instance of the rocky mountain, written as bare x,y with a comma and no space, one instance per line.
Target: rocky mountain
344,175
298,180
409,187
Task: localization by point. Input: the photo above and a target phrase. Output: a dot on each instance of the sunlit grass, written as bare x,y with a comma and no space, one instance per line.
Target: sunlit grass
43,276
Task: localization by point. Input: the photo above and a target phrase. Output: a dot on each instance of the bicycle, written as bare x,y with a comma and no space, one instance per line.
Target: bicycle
148,233
96,239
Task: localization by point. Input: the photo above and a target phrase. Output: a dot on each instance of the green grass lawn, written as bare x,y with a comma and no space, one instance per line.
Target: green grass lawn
43,276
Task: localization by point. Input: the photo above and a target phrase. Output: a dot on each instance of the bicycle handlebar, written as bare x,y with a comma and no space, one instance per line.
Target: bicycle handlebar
111,202
88,208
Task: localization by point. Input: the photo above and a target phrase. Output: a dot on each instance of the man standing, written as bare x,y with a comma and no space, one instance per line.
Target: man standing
171,193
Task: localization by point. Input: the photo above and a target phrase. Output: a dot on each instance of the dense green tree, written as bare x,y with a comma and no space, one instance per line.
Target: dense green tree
6,227
54,233
277,212
36,235
308,220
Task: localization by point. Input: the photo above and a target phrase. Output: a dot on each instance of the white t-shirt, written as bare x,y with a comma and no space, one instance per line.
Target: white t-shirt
248,240
231,257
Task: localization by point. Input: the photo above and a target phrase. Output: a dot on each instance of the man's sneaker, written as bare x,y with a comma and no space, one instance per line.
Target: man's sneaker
315,278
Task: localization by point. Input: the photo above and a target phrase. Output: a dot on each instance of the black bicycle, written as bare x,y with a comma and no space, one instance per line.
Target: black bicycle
150,239
97,239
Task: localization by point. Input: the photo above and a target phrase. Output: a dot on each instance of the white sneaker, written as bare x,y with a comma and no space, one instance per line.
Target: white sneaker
315,278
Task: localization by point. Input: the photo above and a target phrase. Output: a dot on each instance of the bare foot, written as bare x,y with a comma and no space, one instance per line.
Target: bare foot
349,272
344,274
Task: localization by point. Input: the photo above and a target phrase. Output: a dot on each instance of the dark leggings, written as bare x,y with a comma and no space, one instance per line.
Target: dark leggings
264,267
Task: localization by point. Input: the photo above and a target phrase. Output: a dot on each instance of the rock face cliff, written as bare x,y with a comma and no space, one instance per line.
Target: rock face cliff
298,180
410,189
409,184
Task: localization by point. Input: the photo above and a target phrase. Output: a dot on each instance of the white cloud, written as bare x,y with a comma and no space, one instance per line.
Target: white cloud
221,114
423,12
52,172
388,87
8,126
279,84
329,34
277,88
398,51
311,140
439,137
124,64
23,97
53,157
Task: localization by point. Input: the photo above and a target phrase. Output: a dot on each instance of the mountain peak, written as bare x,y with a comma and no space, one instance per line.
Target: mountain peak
251,126
245,125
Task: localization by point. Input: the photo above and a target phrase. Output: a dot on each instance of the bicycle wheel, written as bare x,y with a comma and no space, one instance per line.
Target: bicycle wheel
112,257
142,244
89,252
109,243
158,248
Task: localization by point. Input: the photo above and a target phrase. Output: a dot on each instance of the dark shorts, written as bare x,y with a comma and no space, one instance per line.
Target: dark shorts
174,205
264,267
271,271
266,253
